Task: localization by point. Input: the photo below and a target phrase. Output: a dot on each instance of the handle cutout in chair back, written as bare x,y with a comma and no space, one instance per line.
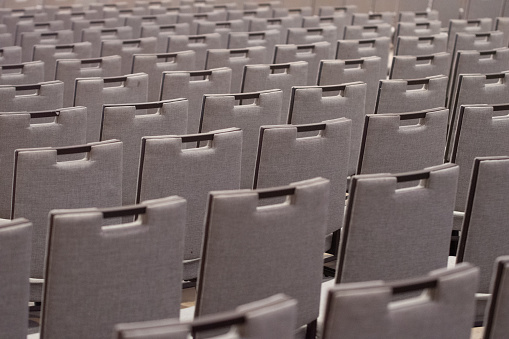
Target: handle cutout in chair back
149,18
239,53
370,42
44,114
483,36
27,90
256,36
73,149
305,48
13,69
425,58
418,82
149,105
275,192
197,38
354,63
91,63
275,21
500,107
429,39
245,96
412,176
412,115
49,35
223,24
120,81
279,68
311,127
413,285
200,75
197,137
317,31
125,211
495,78
488,54
375,16
475,22
370,28
422,24
167,58
333,90
134,43
42,24
64,48
216,322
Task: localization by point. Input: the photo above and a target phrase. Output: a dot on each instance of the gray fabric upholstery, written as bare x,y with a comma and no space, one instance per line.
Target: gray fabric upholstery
193,85
447,10
285,156
30,26
15,247
49,54
267,39
419,28
198,43
484,228
155,64
47,95
312,104
413,15
42,183
338,19
279,24
96,35
222,27
10,21
67,16
235,59
333,11
10,55
136,21
221,111
161,32
414,45
373,18
127,123
389,147
311,53
502,24
126,49
398,96
23,131
30,39
95,92
413,67
270,318
77,25
126,273
355,49
367,70
169,169
484,9
367,309
392,233
241,237
22,74
280,76
359,32
497,310
68,70
469,26
307,35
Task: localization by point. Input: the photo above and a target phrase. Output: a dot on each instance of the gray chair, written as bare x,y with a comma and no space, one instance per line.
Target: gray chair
293,232
93,93
192,85
130,122
155,64
126,272
221,111
390,145
44,180
25,73
15,248
337,10
10,55
136,21
49,54
398,96
96,35
30,26
484,9
235,59
222,27
444,308
280,24
447,10
495,324
66,17
77,25
127,48
267,39
418,28
32,97
416,221
308,35
281,76
359,32
466,26
339,20
416,15
502,24
270,318
373,18
30,39
12,19
421,45
311,53
416,67
198,43
68,70
367,70
161,32
314,104
167,167
355,49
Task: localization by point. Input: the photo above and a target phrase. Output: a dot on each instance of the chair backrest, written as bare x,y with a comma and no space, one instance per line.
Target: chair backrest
10,21
32,97
95,35
418,219
421,45
292,233
192,85
10,55
337,10
495,324
30,39
95,92
359,32
444,309
413,5
477,41
22,130
307,35
390,147
314,104
224,28
161,32
267,39
66,17
502,24
30,26
282,76
25,73
221,111
43,182
235,59
419,28
399,96
484,62
49,54
271,318
468,26
279,24
77,25
447,10
147,251
373,18
155,64
130,122
165,170
416,15
367,70
340,21
136,21
126,49
355,49
484,9
286,154
416,67
15,251
68,70
311,53
198,43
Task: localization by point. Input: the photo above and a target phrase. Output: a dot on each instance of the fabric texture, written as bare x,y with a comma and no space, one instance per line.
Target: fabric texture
22,74
495,321
96,35
412,67
127,48
30,39
355,49
49,54
267,39
47,96
197,43
416,46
